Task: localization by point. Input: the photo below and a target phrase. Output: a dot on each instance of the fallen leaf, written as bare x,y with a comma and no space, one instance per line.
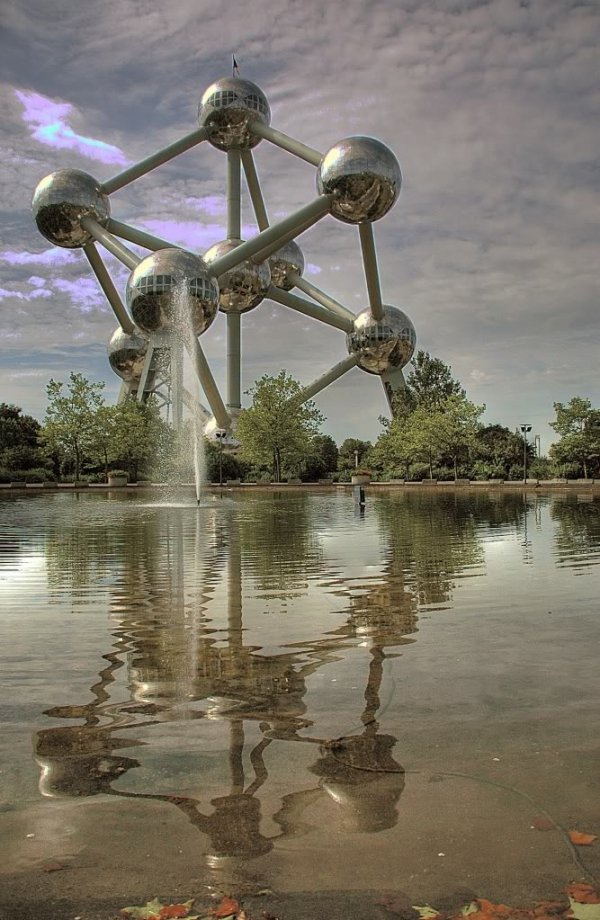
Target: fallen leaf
155,910
581,911
53,866
545,910
426,912
543,824
227,908
580,839
487,910
175,910
582,893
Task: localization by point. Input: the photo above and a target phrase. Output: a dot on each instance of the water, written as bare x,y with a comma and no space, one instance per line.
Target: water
273,691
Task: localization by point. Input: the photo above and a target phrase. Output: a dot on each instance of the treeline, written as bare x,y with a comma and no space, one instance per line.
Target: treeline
436,433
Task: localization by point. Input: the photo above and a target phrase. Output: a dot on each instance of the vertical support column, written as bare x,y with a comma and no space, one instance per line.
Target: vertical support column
234,320
234,354
176,381
234,207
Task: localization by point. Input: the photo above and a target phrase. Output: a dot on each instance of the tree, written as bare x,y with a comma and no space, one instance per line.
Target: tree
102,445
321,459
137,435
19,439
70,424
277,430
353,452
429,383
458,427
497,451
578,425
430,435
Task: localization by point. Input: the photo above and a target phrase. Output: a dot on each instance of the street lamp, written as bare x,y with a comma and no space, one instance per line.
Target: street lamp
220,434
524,431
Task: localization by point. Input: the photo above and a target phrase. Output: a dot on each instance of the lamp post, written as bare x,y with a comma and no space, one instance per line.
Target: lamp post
524,431
220,435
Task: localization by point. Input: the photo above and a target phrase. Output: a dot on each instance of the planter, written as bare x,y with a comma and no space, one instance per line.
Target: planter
360,479
117,481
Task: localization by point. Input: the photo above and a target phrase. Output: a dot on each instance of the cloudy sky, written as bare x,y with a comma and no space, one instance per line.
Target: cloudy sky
491,107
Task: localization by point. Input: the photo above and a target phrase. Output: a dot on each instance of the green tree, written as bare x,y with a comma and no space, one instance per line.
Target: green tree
353,452
430,435
70,424
19,439
429,383
277,430
578,425
137,435
102,445
322,458
497,451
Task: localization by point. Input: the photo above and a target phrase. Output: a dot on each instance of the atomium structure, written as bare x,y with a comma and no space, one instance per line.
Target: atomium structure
173,295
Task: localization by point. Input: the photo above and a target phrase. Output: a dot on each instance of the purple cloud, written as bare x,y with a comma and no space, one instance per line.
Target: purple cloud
48,124
193,235
213,205
4,293
84,293
55,256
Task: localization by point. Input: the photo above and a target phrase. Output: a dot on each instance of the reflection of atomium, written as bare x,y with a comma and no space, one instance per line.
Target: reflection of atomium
173,296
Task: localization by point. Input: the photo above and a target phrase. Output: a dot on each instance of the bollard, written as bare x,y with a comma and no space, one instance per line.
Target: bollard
359,496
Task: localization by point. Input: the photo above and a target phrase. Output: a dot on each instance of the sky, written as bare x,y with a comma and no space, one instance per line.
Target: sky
491,107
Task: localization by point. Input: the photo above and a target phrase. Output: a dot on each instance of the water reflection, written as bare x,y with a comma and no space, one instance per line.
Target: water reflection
189,594
177,605
577,533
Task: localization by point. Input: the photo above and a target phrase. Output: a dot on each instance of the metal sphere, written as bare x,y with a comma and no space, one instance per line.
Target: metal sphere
382,345
363,178
287,260
61,200
228,107
126,353
167,283
242,287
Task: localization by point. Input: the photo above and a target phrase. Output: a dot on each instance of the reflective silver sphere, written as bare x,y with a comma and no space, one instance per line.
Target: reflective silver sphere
126,353
363,178
286,260
167,287
61,200
242,287
227,108
381,346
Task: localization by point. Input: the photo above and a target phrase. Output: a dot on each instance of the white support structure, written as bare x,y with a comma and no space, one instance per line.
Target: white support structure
170,288
110,242
156,159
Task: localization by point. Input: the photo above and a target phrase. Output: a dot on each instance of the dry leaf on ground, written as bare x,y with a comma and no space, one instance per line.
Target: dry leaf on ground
580,839
155,910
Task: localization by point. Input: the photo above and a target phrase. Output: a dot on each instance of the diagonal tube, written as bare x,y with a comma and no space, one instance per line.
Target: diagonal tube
207,382
106,283
286,143
264,254
305,217
337,371
367,243
110,242
300,305
234,360
139,237
320,296
256,196
156,159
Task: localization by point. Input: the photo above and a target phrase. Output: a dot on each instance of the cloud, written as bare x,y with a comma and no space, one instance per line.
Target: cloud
54,256
47,122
